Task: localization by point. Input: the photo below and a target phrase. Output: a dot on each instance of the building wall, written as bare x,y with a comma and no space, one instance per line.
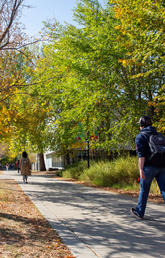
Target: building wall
52,161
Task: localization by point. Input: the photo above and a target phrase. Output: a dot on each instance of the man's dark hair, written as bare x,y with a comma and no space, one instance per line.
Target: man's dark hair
24,154
145,121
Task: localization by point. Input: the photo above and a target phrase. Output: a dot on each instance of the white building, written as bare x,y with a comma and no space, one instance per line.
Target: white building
52,161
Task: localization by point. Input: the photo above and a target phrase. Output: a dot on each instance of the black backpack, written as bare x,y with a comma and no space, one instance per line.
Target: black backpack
157,149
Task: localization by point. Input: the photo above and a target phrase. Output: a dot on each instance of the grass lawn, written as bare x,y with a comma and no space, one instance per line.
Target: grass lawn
23,230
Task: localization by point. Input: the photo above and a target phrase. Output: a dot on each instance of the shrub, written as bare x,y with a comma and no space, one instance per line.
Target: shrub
75,170
119,171
99,174
126,169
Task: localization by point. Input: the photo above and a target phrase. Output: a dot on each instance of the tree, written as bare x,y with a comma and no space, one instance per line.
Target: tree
10,37
98,75
85,61
11,40
84,65
159,105
141,27
29,124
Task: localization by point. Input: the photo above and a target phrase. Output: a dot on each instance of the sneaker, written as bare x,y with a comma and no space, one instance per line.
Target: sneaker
26,182
134,212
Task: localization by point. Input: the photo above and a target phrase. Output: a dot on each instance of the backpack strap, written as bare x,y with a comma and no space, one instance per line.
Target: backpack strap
148,134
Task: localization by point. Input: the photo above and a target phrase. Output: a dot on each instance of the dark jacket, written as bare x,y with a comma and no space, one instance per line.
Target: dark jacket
141,141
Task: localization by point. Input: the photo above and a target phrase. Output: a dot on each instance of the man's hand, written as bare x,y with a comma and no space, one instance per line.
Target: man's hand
142,174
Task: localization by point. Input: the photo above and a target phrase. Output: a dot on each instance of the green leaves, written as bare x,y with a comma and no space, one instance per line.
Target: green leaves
102,74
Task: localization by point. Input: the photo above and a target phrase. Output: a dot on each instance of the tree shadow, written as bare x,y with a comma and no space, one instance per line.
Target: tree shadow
98,218
103,218
113,239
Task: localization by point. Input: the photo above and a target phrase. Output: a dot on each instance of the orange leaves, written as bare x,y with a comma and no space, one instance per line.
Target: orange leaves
127,62
118,12
25,233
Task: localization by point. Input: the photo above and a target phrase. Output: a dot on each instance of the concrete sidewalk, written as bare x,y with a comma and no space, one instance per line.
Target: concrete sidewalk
93,222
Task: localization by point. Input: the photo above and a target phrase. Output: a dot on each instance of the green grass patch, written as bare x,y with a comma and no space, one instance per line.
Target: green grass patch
154,187
126,187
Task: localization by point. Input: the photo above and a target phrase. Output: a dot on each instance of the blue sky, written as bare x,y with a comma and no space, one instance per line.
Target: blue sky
43,10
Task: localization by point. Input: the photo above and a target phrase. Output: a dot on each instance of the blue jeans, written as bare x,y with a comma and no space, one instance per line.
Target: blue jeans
150,173
25,178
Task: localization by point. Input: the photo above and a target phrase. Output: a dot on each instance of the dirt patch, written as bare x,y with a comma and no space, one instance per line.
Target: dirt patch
23,230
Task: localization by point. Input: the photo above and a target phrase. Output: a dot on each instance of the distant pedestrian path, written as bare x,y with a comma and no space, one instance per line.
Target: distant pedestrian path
96,223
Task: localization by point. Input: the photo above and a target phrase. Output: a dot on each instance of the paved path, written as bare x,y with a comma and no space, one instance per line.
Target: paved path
96,223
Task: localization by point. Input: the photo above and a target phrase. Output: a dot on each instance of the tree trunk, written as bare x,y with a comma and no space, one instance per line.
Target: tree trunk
151,108
41,162
67,159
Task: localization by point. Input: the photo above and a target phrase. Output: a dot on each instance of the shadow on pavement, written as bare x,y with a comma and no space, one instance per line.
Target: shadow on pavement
104,219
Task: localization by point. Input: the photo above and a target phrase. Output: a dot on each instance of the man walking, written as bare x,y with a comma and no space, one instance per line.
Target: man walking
148,170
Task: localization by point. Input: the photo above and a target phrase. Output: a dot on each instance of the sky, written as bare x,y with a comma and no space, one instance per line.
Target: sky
42,10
